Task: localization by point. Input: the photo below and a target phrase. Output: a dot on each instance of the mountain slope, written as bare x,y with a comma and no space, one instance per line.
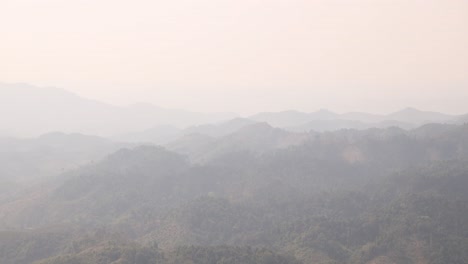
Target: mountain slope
414,116
32,159
255,138
27,110
291,117
324,120
166,134
337,197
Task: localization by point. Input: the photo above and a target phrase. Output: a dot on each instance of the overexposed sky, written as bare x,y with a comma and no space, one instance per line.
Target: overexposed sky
243,55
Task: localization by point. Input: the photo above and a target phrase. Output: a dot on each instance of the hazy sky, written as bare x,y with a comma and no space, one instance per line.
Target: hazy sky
243,55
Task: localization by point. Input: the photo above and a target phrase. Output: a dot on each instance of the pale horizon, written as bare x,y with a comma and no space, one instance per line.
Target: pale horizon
240,113
244,56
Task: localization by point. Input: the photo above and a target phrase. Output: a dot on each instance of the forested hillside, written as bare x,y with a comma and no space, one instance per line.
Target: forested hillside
257,195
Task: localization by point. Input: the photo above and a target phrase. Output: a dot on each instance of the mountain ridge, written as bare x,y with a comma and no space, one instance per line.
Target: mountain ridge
27,110
56,109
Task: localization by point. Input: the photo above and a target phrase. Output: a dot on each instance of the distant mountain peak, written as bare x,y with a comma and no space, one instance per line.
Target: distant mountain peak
258,126
28,110
415,116
325,111
409,110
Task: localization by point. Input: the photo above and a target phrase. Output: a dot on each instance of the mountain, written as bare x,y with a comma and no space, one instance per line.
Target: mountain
282,119
292,118
28,162
349,196
412,115
433,130
161,134
325,120
50,154
165,134
62,245
27,110
220,129
235,191
255,138
338,124
362,117
323,114
104,191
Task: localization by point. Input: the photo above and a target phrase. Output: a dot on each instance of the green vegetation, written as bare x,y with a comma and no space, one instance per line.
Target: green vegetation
374,196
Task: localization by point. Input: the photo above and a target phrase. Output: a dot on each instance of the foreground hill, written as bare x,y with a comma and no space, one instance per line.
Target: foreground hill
29,160
133,253
77,245
373,196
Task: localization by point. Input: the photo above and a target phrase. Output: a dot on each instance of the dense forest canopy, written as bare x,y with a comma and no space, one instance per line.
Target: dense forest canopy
256,195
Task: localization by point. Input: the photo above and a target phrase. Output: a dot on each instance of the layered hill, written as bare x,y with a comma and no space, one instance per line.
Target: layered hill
26,161
372,196
324,120
27,110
